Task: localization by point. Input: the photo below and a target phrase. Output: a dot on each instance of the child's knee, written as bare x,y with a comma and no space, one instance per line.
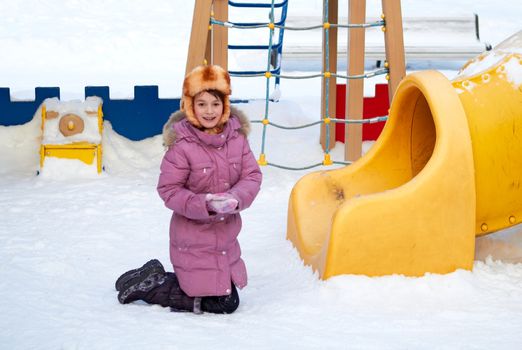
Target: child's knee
231,304
226,304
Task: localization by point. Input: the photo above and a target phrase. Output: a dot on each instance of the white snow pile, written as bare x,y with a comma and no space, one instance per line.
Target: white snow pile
86,110
489,59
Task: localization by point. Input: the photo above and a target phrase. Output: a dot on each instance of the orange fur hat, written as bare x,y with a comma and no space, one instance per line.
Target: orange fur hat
204,78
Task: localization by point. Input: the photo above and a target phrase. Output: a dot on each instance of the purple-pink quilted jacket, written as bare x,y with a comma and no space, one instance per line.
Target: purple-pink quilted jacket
204,249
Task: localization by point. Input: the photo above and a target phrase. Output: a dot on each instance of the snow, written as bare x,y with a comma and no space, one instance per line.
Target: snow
514,71
503,51
65,236
86,112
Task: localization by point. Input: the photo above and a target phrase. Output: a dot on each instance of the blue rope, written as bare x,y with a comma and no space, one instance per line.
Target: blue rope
333,120
288,127
253,47
267,94
242,25
253,5
280,25
315,75
327,79
359,25
365,75
305,167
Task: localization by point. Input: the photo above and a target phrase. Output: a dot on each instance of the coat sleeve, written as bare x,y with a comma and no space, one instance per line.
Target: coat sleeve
175,170
247,188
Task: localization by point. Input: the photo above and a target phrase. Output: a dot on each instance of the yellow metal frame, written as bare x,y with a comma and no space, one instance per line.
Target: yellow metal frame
84,151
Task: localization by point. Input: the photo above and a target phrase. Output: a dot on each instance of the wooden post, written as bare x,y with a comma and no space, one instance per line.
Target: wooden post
394,43
332,68
355,87
220,35
198,34
208,47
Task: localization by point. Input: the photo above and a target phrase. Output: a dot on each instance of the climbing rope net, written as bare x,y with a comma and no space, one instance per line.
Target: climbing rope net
272,25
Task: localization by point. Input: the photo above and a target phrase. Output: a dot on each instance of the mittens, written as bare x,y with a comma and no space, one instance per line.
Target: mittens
221,203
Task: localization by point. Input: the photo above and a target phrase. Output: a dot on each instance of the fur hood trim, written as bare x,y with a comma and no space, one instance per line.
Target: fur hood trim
169,135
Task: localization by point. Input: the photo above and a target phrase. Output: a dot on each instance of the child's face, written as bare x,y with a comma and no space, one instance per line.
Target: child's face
208,109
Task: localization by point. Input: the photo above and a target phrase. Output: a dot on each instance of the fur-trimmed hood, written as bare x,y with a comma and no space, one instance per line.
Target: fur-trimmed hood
169,134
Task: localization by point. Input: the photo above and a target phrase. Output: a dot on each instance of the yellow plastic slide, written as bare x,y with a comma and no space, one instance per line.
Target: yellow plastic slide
447,167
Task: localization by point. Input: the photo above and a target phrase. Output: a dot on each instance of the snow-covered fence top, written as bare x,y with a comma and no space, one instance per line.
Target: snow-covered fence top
135,119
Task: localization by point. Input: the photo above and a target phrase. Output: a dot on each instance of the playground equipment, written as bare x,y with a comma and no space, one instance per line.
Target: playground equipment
275,47
446,168
208,44
394,64
72,130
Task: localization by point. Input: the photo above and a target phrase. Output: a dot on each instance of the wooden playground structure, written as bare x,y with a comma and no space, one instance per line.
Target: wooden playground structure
209,44
395,210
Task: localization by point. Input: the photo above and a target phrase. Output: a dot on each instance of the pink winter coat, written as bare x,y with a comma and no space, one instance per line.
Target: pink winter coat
204,249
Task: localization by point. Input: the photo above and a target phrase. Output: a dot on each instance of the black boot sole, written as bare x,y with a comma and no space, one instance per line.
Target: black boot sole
150,267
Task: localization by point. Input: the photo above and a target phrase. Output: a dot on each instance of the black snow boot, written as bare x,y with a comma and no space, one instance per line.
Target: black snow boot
170,294
225,304
139,287
152,266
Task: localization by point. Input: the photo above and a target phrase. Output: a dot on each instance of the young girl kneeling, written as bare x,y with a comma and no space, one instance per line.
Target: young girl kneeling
208,175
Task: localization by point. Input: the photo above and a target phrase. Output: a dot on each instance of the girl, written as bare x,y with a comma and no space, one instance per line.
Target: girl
208,175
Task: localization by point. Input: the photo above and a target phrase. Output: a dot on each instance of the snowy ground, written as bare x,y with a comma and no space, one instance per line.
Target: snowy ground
66,235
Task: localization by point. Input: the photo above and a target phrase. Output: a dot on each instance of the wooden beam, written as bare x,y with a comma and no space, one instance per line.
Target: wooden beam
355,87
394,43
208,48
198,34
220,35
330,67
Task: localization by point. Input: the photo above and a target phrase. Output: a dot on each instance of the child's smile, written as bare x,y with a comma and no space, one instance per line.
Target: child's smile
208,109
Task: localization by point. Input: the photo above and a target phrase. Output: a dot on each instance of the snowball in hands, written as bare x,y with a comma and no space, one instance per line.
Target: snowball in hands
221,203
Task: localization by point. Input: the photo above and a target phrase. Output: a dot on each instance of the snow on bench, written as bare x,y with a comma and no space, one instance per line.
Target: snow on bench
426,38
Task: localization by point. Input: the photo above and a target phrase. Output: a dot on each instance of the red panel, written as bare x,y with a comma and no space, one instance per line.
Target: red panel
372,107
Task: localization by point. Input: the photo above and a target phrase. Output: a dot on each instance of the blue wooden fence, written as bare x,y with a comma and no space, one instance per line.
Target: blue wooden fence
135,119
